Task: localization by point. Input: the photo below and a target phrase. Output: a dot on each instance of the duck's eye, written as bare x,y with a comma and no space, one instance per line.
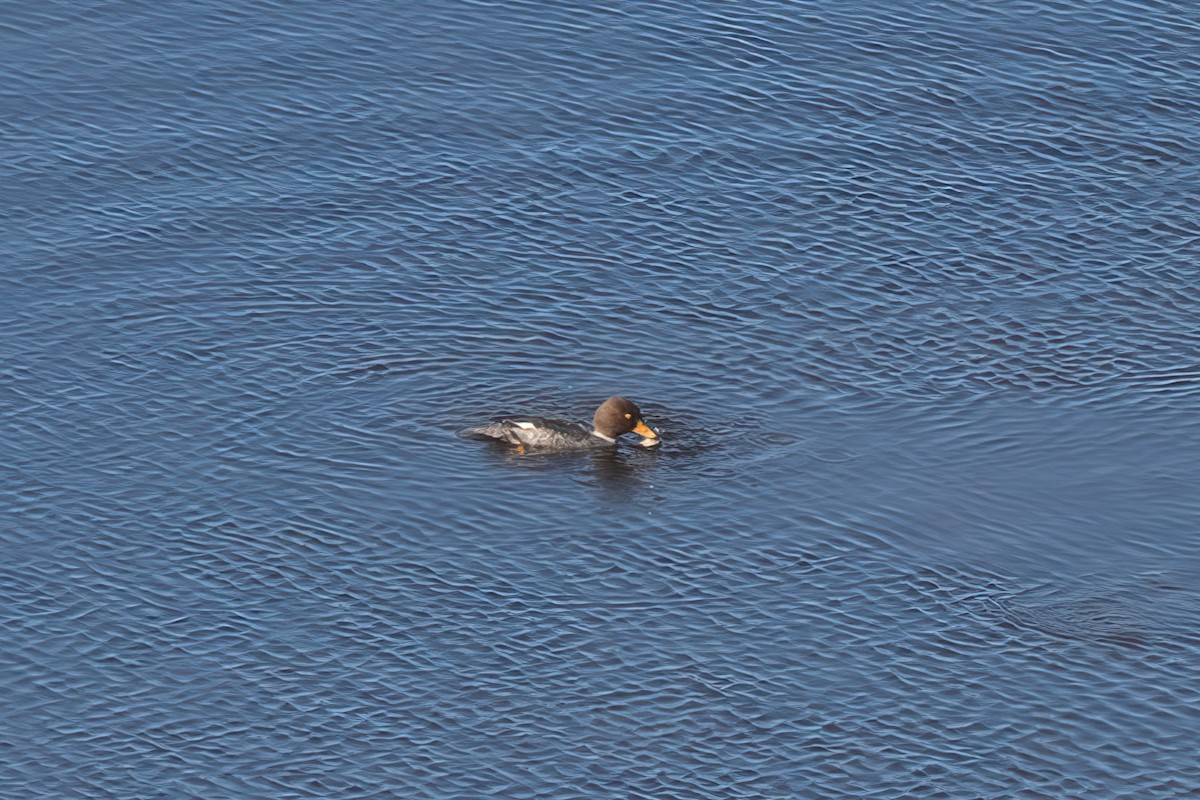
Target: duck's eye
629,416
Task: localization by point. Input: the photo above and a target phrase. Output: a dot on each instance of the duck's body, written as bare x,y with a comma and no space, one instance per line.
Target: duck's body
615,416
541,432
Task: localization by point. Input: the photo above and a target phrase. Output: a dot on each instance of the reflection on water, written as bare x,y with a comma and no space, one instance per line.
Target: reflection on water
909,292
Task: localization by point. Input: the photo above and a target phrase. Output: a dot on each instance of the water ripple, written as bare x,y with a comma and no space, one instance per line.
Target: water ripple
909,291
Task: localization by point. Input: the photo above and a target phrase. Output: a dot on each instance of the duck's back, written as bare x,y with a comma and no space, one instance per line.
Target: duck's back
537,432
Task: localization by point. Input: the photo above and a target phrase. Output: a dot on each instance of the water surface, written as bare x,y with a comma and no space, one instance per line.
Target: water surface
909,288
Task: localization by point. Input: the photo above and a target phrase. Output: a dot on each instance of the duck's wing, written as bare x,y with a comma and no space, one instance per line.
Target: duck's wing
500,430
532,432
546,432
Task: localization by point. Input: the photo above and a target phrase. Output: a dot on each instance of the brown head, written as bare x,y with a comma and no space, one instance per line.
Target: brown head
616,416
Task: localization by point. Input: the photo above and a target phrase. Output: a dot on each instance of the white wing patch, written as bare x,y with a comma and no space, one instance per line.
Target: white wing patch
525,425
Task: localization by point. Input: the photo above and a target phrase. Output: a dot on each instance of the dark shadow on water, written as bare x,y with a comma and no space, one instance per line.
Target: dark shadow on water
1141,612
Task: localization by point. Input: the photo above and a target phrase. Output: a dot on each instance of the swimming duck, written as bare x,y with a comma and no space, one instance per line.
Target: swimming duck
615,416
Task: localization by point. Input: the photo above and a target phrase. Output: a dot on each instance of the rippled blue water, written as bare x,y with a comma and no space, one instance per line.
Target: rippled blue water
909,288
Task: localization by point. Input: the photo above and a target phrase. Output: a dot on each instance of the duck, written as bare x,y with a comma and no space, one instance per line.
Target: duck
615,416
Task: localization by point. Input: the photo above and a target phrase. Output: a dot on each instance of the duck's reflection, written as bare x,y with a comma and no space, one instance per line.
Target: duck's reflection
620,473
611,466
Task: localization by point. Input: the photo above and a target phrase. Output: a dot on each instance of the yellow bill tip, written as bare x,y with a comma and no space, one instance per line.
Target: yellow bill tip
644,430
